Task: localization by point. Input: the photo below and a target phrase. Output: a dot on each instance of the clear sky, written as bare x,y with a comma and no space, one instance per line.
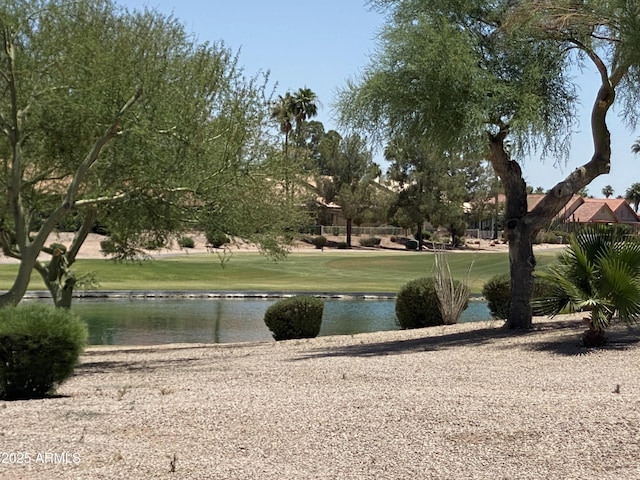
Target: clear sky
320,44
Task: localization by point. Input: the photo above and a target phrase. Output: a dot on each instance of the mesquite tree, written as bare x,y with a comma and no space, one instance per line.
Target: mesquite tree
124,118
491,79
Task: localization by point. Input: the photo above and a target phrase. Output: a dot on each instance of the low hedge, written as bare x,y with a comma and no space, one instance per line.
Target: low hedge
497,292
417,304
295,317
39,349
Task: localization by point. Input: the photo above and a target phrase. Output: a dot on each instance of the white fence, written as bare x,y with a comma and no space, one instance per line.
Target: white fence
340,231
478,234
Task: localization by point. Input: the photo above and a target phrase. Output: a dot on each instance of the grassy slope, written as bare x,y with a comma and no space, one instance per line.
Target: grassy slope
325,272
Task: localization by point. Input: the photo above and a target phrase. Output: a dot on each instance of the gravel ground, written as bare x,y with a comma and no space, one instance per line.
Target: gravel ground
468,401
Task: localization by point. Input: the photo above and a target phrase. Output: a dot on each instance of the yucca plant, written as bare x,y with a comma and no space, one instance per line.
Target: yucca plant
600,274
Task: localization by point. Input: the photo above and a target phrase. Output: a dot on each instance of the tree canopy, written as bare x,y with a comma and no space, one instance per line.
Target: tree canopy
492,80
349,165
123,118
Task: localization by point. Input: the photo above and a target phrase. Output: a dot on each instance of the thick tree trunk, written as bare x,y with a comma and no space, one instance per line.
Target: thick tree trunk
519,234
349,229
521,266
520,225
419,236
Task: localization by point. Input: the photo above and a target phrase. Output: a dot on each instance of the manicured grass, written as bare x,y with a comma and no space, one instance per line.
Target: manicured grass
322,272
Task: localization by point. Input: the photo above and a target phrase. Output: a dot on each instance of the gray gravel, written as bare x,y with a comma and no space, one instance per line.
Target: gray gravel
461,402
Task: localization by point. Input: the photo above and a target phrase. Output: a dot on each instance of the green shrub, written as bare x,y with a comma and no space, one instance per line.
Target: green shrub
411,245
295,317
216,238
108,247
342,245
186,242
497,292
370,242
417,304
152,243
320,242
39,348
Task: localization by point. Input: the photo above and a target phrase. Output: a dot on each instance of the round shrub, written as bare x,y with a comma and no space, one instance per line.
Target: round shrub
295,317
216,239
497,292
320,242
411,245
186,242
39,348
108,247
417,304
370,241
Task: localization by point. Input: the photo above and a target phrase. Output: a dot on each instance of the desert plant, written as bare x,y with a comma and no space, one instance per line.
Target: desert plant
598,274
39,348
295,317
186,242
417,304
453,296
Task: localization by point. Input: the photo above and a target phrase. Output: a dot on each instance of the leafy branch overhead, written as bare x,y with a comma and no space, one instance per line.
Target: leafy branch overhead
121,118
493,80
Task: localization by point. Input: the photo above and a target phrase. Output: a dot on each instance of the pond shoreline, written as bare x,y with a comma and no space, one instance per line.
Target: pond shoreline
38,294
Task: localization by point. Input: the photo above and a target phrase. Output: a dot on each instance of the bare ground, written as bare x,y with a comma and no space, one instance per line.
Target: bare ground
91,247
469,401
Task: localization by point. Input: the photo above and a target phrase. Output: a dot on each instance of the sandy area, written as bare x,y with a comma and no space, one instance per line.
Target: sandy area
467,401
91,247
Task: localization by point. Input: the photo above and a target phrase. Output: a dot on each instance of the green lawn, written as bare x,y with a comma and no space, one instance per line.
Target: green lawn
323,272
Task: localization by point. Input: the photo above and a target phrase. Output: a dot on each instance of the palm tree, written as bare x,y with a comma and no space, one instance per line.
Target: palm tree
635,148
607,191
290,108
632,195
304,105
283,112
599,273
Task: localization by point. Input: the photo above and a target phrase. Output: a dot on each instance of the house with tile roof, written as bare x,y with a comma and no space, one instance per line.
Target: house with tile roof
587,211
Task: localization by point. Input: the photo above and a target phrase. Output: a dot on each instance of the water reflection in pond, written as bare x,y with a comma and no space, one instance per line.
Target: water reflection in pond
225,320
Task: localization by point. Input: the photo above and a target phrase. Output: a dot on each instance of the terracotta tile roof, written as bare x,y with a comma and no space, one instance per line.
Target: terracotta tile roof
593,212
620,207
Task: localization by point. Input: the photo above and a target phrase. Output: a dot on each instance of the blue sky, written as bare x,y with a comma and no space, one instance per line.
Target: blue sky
320,44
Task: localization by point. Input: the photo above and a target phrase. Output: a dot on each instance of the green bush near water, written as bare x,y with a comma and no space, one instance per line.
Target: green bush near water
295,317
497,292
39,348
417,304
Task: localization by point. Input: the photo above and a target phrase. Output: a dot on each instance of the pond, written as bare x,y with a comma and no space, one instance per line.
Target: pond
154,321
